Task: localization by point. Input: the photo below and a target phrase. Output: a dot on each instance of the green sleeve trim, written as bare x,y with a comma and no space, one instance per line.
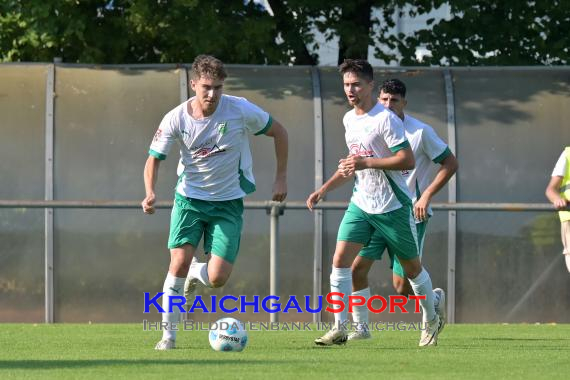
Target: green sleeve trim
442,156
266,128
402,145
155,154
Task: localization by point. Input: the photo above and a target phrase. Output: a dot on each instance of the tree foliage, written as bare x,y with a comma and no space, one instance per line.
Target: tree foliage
478,32
137,31
507,32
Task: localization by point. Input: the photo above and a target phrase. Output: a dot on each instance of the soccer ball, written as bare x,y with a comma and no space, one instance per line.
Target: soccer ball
228,334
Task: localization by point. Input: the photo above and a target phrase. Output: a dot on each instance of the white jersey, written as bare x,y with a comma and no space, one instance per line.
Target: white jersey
560,167
429,150
215,158
378,133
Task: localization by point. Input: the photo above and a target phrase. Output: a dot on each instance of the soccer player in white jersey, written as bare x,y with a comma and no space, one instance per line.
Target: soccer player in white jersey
380,203
429,152
212,131
558,193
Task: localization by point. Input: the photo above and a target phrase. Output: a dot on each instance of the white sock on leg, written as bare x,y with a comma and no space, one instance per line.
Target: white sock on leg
341,281
360,313
173,286
435,299
200,272
422,287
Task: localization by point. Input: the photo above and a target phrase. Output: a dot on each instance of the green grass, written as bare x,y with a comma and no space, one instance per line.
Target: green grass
98,351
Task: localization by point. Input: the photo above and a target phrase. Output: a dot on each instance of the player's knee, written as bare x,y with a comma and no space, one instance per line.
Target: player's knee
218,281
179,268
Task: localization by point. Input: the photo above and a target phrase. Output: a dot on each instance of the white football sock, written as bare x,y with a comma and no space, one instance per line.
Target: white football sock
567,258
360,313
341,281
422,287
200,272
173,286
435,300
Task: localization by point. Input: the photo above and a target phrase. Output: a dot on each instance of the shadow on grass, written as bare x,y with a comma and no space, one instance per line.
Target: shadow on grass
73,364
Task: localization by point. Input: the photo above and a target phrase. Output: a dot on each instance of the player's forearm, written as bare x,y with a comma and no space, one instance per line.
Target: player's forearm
553,189
281,142
401,160
336,181
552,195
447,169
150,174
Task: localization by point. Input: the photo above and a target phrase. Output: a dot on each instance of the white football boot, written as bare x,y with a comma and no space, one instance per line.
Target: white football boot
334,336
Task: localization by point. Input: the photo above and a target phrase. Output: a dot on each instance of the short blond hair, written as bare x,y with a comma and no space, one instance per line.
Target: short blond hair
209,67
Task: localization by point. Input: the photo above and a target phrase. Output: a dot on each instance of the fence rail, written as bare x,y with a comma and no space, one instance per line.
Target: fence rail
268,205
273,209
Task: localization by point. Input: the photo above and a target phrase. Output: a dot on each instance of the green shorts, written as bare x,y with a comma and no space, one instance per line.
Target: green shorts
394,230
220,223
375,249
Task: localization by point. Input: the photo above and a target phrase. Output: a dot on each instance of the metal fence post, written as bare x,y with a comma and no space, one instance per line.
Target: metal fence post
452,198
48,195
275,212
319,174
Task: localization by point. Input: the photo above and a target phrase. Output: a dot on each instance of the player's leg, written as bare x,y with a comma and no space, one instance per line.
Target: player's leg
400,232
173,287
186,229
420,281
222,237
565,234
399,281
438,293
353,233
360,269
402,284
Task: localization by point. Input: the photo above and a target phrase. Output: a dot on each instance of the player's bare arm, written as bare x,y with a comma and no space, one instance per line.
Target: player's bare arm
446,171
401,160
553,193
335,181
150,175
281,141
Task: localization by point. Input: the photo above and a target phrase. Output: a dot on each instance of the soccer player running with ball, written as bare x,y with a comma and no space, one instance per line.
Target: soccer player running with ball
380,203
212,131
429,153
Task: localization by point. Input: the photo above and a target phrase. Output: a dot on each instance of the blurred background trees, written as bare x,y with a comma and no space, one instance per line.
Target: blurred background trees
474,32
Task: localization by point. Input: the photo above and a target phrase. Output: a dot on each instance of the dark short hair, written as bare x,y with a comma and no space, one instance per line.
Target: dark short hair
360,67
208,66
394,87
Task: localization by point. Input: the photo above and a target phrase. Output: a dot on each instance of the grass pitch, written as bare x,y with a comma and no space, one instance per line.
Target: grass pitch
98,351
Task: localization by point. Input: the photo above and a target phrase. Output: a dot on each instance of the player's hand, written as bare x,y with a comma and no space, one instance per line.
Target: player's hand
148,204
279,190
349,165
421,209
560,203
314,198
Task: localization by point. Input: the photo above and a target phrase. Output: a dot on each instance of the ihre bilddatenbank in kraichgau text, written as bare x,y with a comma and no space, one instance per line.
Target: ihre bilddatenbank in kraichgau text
273,304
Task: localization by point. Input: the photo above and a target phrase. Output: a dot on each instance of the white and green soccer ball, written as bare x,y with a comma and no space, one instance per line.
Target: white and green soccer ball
228,334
